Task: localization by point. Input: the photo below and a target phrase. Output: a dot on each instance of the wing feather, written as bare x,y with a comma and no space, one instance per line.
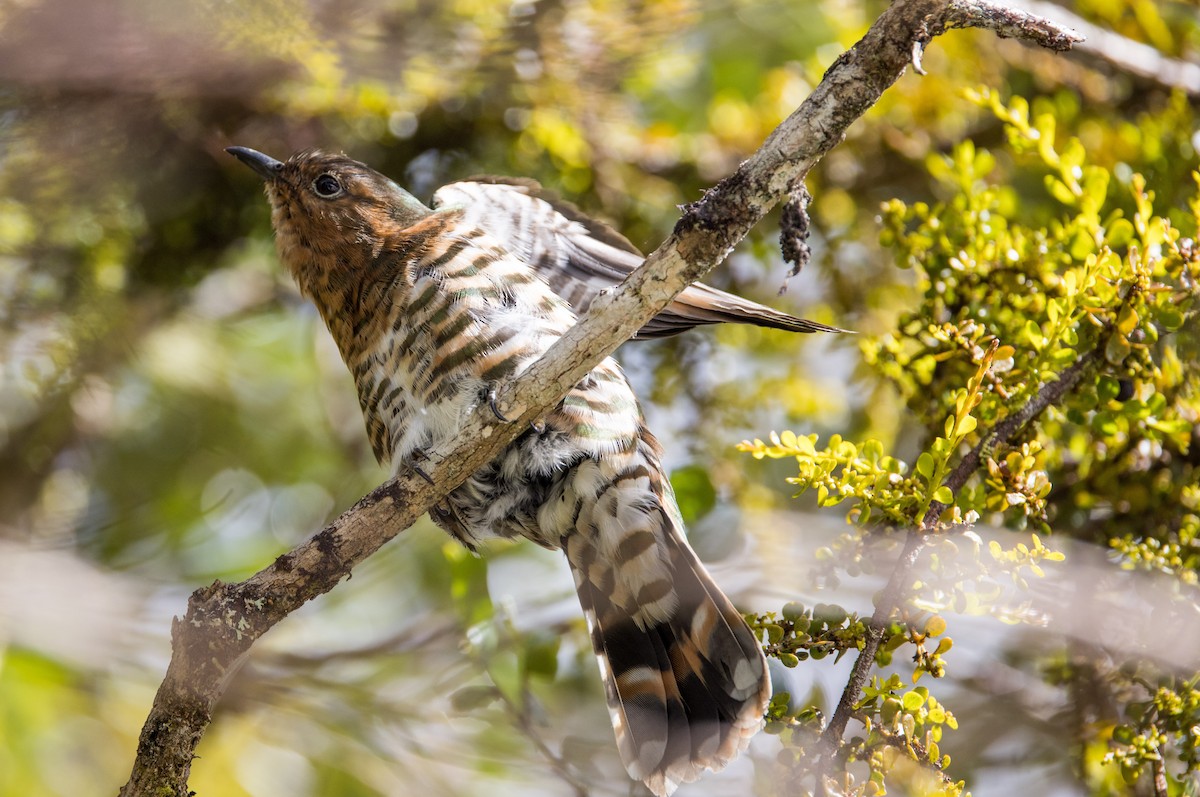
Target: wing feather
580,256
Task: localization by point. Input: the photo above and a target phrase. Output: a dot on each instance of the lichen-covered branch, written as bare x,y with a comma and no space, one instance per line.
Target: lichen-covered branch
1013,23
224,620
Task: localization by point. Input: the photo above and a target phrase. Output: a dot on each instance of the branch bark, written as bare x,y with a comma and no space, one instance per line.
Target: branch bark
224,620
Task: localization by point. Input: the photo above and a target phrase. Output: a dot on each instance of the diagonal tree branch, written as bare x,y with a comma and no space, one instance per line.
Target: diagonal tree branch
223,620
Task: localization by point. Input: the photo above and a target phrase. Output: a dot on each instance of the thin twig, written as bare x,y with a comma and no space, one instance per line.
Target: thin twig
1159,767
521,718
404,641
524,723
1127,55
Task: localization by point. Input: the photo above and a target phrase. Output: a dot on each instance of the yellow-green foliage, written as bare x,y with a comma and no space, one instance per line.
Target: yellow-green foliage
1099,286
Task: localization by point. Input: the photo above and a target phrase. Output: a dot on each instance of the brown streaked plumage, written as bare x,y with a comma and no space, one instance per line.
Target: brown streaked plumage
430,312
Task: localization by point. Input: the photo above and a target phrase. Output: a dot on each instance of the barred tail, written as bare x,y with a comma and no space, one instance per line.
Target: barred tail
687,689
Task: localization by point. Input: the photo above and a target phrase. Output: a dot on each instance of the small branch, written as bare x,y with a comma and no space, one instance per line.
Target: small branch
519,713
524,722
223,620
1124,53
404,641
1049,395
892,596
1159,767
876,627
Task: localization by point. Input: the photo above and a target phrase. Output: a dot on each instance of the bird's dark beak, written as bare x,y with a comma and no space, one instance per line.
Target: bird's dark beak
264,166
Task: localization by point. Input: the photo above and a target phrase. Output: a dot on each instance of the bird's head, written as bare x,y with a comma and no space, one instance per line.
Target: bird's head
332,215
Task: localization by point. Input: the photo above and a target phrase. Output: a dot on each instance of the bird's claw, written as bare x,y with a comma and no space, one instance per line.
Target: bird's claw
411,462
491,401
417,469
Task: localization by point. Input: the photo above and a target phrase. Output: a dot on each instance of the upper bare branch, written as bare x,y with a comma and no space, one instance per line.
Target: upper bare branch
1127,55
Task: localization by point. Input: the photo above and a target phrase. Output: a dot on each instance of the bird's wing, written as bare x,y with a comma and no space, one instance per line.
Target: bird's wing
580,256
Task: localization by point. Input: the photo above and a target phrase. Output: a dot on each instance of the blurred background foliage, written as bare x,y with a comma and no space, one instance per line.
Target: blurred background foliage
171,411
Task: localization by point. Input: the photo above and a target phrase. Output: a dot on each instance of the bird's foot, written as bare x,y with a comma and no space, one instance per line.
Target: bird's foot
412,463
491,402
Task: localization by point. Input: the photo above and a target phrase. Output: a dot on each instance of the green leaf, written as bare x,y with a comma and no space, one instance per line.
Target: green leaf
1117,349
541,658
1120,233
1123,734
967,425
793,610
1104,423
1072,156
1033,333
505,668
1054,311
1175,427
1170,318
1127,319
1095,185
694,491
472,698
1059,190
1063,357
1045,124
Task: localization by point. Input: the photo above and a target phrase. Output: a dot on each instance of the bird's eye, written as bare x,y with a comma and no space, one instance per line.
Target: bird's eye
327,186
